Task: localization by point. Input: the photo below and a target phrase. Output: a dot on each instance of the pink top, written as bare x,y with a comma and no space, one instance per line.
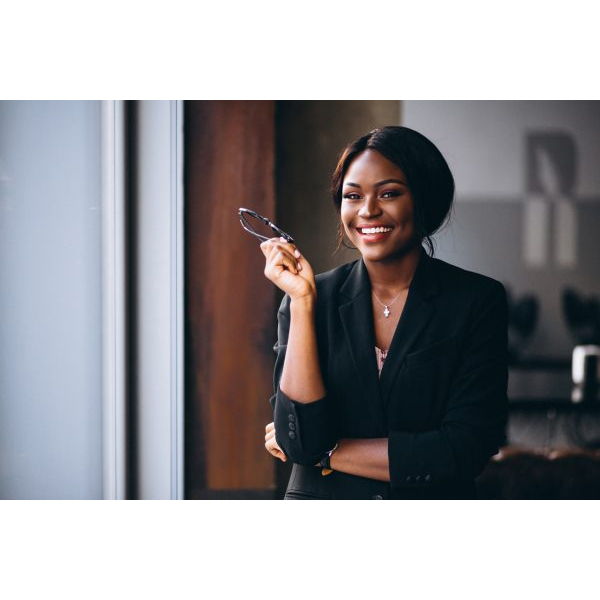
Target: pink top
380,354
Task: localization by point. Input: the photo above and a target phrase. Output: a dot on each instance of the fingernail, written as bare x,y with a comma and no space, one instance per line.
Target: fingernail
297,253
299,267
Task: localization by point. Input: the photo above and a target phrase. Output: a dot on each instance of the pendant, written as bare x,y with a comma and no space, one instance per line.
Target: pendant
386,312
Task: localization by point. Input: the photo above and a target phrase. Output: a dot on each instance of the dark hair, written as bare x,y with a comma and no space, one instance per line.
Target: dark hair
428,175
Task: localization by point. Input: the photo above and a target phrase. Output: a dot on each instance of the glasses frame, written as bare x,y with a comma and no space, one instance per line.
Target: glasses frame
244,212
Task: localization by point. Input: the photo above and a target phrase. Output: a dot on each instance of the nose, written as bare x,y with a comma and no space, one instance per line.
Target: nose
370,208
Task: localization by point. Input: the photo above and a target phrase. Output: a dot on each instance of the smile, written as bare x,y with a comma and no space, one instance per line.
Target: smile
372,230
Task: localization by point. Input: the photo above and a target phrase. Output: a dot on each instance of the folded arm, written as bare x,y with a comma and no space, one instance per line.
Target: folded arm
471,429
362,457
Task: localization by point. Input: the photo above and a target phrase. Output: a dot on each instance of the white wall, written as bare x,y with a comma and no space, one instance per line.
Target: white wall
157,266
50,300
91,268
533,242
483,141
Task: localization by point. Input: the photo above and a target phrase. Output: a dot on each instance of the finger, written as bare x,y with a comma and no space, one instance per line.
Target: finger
268,245
298,257
270,427
279,247
269,436
304,264
281,259
282,457
272,448
271,442
291,248
282,243
283,246
276,452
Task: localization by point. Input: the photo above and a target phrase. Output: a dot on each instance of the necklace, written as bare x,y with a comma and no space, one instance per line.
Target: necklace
386,307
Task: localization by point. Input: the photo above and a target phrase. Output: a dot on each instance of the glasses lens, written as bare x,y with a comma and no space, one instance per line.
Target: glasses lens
258,226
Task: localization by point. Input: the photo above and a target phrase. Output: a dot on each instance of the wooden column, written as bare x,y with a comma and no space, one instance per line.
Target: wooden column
230,306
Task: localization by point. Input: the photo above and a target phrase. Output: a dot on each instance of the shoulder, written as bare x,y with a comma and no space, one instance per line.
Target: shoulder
337,285
461,281
477,297
334,278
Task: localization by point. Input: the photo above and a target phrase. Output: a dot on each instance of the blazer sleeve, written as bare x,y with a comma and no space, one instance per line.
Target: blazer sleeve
474,423
303,430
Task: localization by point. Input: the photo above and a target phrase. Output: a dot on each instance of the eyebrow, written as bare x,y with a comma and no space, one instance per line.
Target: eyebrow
379,184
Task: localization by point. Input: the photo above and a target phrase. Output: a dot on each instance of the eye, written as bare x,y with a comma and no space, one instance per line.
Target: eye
351,196
391,194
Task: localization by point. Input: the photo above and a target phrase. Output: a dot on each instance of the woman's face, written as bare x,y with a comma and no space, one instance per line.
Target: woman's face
377,208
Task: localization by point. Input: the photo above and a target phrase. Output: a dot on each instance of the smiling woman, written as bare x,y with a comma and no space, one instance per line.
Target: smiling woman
391,371
377,213
413,163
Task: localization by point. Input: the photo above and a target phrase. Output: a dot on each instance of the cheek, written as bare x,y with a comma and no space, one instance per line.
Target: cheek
407,221
346,230
345,217
407,218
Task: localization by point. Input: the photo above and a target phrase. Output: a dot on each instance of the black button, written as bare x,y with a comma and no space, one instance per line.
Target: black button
428,478
292,417
292,434
292,426
409,479
418,479
376,497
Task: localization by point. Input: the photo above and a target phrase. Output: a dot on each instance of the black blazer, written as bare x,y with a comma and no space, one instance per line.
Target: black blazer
441,399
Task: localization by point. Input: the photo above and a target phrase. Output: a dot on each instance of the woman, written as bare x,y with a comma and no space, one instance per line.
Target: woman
391,371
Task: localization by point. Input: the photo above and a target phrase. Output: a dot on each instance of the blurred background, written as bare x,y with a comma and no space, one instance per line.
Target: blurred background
136,325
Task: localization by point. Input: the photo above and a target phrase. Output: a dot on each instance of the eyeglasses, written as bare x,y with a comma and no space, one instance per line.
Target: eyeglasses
247,217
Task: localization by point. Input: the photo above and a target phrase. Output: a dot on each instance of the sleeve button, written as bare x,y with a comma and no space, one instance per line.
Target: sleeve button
418,479
428,478
292,426
292,435
291,417
409,479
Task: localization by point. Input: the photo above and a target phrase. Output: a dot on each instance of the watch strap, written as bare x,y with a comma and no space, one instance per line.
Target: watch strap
325,462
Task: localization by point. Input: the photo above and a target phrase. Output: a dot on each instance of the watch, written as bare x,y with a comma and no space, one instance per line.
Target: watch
325,462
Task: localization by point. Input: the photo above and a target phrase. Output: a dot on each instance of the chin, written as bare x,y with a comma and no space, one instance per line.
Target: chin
389,255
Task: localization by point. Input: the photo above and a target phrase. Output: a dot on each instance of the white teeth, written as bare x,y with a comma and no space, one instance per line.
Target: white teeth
376,229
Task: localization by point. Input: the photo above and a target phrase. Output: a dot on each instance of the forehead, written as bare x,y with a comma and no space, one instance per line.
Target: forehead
370,166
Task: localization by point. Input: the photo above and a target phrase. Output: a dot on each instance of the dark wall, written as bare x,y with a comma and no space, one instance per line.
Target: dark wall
310,137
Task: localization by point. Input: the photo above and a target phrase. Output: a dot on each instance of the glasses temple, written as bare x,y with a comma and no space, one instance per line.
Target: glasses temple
246,225
249,229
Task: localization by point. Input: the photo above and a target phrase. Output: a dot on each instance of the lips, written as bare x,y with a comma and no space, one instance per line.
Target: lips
374,233
373,229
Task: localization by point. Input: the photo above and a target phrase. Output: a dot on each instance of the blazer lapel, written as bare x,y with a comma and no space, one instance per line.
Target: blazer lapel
356,314
418,310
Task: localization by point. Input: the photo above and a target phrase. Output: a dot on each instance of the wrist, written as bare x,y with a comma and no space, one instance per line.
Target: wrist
303,303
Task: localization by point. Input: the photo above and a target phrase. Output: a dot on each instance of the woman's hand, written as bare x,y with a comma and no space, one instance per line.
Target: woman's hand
271,444
288,269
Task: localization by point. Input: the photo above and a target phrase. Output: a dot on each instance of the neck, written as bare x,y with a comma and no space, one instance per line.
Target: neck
391,277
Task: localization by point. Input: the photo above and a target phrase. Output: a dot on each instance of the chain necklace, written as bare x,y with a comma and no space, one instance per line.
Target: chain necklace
386,307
